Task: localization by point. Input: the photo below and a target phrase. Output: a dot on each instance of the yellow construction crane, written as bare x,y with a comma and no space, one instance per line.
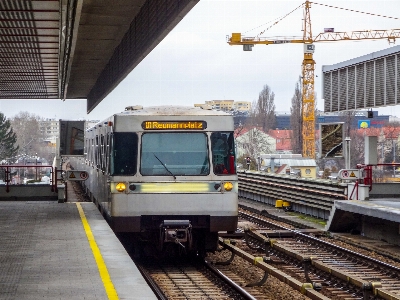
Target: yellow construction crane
308,101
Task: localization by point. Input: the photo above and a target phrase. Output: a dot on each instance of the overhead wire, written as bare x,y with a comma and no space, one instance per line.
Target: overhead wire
331,6
275,22
353,10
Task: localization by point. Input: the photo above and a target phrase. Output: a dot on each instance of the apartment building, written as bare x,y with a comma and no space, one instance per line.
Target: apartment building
50,129
228,105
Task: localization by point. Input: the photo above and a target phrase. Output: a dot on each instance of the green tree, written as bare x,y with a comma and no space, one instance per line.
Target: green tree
8,139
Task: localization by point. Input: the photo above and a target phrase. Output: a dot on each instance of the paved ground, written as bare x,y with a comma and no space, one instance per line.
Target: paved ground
46,253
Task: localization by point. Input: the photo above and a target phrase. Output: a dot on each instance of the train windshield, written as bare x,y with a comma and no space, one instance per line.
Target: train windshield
223,153
172,154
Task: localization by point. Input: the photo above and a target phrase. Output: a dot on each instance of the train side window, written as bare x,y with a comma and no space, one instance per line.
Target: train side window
102,153
107,153
92,153
87,149
89,154
223,153
124,153
96,153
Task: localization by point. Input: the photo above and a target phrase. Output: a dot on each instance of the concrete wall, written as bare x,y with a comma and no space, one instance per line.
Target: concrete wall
385,190
28,192
380,229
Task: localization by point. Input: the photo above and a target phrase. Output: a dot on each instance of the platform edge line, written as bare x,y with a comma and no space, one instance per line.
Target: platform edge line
104,275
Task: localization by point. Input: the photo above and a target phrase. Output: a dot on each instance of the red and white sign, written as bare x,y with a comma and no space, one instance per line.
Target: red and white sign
77,175
351,174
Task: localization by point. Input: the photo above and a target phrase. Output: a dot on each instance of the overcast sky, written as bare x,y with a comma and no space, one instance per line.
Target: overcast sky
194,63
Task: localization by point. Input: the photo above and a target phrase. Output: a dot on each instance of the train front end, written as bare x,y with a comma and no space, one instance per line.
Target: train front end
174,176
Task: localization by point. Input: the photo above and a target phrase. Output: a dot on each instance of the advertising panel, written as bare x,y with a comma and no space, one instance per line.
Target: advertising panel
71,137
331,140
364,124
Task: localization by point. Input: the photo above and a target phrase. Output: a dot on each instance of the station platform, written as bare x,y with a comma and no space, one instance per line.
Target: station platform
375,218
52,250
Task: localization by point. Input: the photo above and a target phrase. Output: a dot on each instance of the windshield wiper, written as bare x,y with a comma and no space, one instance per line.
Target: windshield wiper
164,166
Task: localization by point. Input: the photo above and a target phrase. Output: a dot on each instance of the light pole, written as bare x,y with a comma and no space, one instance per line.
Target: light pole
36,166
394,157
347,152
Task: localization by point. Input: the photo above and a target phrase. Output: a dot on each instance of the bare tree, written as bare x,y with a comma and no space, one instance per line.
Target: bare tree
29,137
254,142
357,147
296,119
348,118
391,132
264,109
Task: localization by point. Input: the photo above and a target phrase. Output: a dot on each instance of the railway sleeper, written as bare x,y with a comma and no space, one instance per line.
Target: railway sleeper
291,186
321,184
305,288
368,288
295,197
313,191
301,199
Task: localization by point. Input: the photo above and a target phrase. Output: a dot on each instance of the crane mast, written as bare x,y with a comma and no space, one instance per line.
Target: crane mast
308,95
308,66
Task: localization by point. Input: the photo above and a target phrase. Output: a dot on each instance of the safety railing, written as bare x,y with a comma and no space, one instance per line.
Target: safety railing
12,175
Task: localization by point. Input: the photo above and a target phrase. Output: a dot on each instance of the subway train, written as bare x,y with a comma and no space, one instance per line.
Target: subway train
166,176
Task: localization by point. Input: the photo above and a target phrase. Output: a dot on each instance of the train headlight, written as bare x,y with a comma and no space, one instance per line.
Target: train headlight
228,186
120,187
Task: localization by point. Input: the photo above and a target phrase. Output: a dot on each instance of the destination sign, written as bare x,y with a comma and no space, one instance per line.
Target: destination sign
174,125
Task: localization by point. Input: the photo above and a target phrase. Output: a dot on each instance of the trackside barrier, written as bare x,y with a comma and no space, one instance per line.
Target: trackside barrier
313,197
368,179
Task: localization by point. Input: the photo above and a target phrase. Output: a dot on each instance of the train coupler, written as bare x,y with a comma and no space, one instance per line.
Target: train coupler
176,231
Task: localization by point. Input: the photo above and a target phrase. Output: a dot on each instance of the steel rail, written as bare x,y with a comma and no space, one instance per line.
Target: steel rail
156,289
228,281
194,278
316,256
265,213
305,288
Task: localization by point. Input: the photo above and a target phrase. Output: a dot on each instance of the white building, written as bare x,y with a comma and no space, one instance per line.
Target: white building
50,128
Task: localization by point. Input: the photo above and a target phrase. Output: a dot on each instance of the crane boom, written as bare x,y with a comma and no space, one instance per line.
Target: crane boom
390,34
308,66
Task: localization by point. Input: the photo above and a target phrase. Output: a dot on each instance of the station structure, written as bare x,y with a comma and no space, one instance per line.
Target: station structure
54,246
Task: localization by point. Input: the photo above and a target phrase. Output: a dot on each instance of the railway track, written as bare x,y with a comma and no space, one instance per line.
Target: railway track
186,278
274,222
338,272
255,261
216,278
